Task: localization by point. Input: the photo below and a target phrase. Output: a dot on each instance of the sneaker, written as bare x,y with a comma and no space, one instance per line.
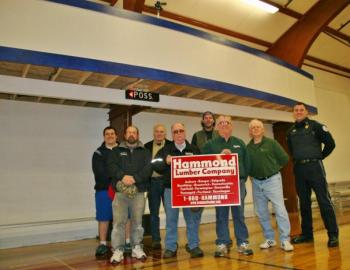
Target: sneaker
302,239
169,254
244,249
138,253
101,250
287,246
221,250
117,256
194,252
267,244
333,241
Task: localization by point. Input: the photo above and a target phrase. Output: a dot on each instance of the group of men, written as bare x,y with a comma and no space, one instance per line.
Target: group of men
131,169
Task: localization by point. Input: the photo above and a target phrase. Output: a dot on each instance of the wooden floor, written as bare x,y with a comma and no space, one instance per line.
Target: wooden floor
80,254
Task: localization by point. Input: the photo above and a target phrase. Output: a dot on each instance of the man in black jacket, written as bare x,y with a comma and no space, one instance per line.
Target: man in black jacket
305,139
130,168
179,147
102,181
156,189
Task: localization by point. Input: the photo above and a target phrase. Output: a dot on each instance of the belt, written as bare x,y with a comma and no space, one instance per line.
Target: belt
266,177
304,161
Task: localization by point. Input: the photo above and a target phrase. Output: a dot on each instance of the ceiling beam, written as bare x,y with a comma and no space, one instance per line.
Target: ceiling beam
298,16
133,84
108,80
212,27
190,21
134,5
25,70
328,64
54,75
294,44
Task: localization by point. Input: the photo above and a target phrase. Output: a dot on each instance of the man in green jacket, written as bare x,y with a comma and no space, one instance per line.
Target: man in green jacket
227,144
267,158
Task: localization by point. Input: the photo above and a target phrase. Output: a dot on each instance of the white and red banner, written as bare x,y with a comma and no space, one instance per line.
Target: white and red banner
205,180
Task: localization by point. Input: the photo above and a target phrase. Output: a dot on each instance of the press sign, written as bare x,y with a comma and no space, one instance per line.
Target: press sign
139,94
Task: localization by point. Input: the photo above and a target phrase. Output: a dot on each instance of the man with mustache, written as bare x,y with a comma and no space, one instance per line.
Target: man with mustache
130,168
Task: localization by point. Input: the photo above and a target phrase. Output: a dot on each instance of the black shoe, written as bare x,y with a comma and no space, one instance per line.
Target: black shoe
194,252
302,239
101,251
156,245
169,254
333,241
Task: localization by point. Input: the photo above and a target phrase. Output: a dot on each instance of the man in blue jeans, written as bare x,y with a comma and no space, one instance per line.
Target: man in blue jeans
156,188
267,158
130,168
179,147
227,144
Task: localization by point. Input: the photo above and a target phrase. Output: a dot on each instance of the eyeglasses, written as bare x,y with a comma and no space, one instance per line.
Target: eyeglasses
178,131
224,123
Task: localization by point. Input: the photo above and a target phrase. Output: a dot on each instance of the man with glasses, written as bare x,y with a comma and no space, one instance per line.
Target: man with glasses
178,147
227,144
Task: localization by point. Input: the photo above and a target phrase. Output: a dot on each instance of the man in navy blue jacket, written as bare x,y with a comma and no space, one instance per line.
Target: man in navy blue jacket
102,181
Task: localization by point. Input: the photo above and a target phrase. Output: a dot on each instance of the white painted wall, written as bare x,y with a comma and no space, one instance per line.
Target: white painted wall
333,98
45,169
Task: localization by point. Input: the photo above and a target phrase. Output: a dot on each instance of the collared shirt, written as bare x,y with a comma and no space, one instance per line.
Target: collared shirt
180,147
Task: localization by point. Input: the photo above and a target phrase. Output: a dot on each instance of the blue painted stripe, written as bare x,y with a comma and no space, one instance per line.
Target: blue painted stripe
93,65
178,27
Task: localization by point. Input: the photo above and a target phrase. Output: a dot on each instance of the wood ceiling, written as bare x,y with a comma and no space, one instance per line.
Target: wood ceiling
119,83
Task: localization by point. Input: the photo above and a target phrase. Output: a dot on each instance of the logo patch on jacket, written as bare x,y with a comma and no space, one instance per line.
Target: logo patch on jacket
123,153
236,146
188,154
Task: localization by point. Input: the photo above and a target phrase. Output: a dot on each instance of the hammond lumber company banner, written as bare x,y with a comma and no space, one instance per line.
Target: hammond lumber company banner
205,180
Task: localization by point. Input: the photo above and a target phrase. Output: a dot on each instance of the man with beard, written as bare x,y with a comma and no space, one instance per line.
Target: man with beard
227,144
201,137
130,168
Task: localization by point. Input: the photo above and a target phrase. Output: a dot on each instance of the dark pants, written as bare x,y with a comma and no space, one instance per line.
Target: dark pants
155,196
312,176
